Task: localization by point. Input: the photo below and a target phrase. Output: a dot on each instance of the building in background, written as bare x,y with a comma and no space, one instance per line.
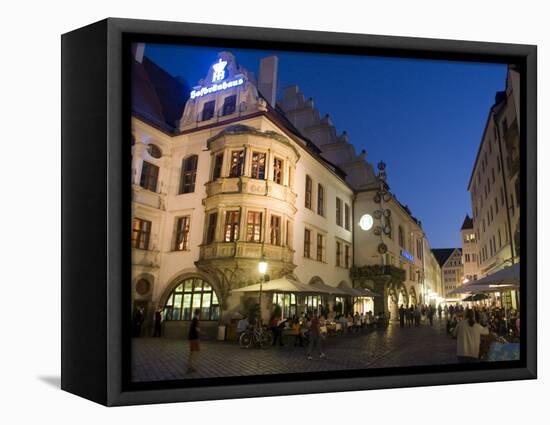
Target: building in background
494,185
452,270
469,249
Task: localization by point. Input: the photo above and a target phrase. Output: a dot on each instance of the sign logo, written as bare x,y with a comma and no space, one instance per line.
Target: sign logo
407,255
219,70
366,222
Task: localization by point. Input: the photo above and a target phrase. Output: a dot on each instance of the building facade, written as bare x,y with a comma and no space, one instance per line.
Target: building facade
452,270
237,177
469,250
494,185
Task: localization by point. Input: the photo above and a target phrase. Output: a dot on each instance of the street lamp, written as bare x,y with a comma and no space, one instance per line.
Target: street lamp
262,268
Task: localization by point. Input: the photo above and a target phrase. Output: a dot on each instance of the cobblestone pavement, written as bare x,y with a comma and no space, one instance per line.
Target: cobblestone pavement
166,359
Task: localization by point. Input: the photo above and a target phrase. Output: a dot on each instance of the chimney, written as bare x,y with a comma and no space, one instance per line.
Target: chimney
267,83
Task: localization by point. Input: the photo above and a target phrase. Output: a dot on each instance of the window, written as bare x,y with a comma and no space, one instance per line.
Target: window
338,254
254,226
218,162
309,190
141,233
307,243
313,303
338,211
320,200
237,163
211,229
346,216
208,110
287,302
229,105
258,165
401,237
347,250
275,233
188,174
231,231
320,246
189,295
182,233
289,233
278,170
149,176
154,151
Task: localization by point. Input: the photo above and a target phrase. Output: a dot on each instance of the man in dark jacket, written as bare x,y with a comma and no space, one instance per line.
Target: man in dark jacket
402,316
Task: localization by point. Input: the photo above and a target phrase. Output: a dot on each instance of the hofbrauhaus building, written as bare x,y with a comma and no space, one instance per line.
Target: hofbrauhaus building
223,176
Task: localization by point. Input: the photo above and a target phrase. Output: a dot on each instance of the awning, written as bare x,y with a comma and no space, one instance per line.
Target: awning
504,280
283,284
359,292
288,284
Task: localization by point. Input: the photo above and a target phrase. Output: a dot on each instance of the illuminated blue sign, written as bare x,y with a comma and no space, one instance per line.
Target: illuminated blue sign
407,255
216,87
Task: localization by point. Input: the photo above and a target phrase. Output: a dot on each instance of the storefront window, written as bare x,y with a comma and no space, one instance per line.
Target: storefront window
189,295
287,302
313,303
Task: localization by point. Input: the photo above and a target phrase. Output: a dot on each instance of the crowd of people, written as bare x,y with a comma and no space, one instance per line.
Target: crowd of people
310,329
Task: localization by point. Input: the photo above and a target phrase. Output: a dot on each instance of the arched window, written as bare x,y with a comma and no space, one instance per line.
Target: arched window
189,295
188,174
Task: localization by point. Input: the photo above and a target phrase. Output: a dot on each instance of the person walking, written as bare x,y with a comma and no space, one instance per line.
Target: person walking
439,311
401,316
430,313
277,331
468,334
158,323
315,337
138,321
194,344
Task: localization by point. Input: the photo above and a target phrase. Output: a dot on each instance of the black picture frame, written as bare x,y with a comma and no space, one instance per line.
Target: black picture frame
96,209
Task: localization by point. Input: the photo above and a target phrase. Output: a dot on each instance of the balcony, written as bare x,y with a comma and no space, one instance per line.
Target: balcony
241,249
250,186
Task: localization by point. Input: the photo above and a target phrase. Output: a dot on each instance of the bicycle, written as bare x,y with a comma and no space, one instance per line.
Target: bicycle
259,336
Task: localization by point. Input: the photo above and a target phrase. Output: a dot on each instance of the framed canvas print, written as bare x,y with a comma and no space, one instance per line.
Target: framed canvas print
253,212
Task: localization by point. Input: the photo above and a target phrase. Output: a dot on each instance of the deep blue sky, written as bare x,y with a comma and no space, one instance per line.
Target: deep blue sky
424,118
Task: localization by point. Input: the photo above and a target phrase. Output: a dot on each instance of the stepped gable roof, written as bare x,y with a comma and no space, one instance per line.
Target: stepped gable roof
443,254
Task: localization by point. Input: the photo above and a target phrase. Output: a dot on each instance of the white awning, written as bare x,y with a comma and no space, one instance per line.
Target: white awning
504,280
283,284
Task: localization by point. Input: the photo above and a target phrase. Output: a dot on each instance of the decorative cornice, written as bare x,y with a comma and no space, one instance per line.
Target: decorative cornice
240,129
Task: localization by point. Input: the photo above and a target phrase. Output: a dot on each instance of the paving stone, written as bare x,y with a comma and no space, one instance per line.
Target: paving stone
157,359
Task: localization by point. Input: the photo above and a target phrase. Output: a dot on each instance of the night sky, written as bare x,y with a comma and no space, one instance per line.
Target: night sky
424,118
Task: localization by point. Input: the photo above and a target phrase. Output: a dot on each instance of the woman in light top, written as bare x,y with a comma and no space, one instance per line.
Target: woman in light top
468,334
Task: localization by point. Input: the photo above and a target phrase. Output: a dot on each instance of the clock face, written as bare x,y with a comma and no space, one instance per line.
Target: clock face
366,222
